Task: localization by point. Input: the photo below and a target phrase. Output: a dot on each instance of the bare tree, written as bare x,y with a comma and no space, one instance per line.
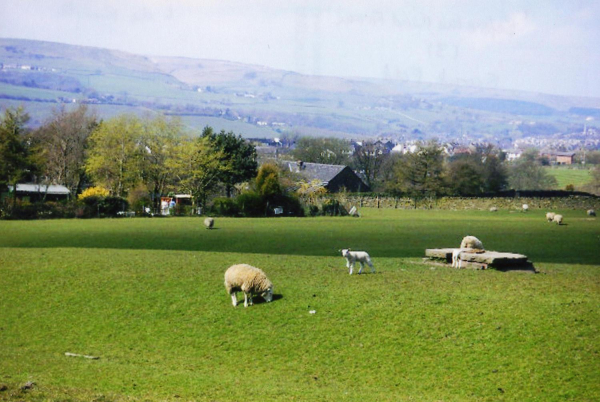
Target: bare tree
63,141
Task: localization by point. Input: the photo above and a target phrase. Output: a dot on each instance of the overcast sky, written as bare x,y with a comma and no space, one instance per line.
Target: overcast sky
542,45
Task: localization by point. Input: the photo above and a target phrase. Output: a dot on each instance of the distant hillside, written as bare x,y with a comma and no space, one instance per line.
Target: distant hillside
260,101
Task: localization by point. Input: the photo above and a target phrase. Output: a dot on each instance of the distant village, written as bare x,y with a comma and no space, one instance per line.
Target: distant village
555,151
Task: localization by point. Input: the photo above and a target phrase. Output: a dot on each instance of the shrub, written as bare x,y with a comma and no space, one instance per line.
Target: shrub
313,210
290,204
225,206
251,204
334,208
139,198
183,210
98,192
111,206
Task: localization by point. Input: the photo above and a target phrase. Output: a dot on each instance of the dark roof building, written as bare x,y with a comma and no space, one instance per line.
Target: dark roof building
38,192
333,177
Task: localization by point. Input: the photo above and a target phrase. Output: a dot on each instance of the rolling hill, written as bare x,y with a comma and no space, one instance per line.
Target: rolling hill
258,101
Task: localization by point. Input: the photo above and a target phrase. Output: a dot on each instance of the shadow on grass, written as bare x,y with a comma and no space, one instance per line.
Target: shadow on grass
260,300
382,239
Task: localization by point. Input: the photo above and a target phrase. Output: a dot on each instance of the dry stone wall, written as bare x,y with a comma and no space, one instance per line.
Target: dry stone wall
576,202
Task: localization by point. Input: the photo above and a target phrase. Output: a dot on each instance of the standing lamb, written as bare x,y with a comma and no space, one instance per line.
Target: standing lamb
247,279
471,242
525,208
361,256
456,260
558,219
209,223
591,212
550,216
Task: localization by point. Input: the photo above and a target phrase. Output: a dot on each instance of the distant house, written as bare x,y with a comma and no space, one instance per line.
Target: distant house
333,177
565,158
39,192
512,154
560,158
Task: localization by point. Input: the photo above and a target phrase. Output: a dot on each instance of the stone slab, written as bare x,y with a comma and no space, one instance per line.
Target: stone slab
493,258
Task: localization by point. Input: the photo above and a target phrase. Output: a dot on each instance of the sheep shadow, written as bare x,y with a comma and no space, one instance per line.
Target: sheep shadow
260,300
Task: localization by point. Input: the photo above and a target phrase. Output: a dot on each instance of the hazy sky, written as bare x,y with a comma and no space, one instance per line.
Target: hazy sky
544,45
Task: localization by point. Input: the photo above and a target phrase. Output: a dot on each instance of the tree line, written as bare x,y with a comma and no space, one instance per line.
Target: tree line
143,158
429,170
131,157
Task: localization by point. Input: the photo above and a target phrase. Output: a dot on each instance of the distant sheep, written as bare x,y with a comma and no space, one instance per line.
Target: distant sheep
525,208
591,212
471,242
493,209
209,223
361,256
557,219
550,216
247,279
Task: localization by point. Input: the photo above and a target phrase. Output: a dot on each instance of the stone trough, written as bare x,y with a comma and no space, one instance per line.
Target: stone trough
482,260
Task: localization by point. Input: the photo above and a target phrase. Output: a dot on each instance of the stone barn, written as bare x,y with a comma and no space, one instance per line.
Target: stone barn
333,177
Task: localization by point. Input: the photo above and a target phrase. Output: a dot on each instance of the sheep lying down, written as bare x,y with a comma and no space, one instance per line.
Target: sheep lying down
353,256
250,280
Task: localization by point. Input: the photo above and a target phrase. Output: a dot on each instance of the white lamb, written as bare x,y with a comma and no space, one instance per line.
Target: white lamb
557,219
471,242
456,260
591,212
361,256
550,216
525,207
250,280
209,223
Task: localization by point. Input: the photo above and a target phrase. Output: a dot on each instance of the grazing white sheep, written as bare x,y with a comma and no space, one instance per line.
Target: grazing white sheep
557,219
471,242
525,208
209,223
550,216
493,209
361,256
247,279
591,212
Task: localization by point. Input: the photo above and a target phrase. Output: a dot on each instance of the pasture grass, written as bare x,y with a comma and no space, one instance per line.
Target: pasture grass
565,176
147,297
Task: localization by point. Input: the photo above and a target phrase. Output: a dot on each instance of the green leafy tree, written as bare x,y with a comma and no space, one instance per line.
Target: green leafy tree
495,173
479,172
238,153
331,151
421,174
465,177
114,154
199,167
267,181
526,173
17,158
160,143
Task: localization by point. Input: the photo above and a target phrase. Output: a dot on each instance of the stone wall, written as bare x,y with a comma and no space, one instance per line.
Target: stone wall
576,202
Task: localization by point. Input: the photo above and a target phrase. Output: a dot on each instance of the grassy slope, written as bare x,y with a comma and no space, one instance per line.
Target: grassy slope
565,176
147,296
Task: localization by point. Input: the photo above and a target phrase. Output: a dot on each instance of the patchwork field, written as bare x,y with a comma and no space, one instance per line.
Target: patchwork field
146,296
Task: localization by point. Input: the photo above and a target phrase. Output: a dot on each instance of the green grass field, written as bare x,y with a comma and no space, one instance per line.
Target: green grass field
147,297
566,176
